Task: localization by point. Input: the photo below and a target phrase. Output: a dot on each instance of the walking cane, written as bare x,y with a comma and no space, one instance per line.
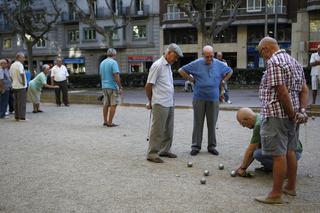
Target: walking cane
149,126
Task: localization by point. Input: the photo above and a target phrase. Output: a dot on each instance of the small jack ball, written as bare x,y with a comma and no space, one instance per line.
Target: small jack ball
206,172
221,166
233,173
190,164
203,181
313,117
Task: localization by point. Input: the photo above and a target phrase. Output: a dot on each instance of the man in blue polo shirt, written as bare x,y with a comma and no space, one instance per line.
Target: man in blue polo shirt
207,74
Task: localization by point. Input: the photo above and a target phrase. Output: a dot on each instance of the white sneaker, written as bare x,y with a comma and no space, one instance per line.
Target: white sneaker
229,102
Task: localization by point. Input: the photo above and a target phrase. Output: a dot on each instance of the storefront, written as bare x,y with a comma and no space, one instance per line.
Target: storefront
139,63
75,65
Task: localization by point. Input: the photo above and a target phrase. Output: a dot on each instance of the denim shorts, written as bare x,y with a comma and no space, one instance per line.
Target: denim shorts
278,135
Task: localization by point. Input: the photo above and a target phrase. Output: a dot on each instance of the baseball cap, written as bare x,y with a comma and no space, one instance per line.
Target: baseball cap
175,48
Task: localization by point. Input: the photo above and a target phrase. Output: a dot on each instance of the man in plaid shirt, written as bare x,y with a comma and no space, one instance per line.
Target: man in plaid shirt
283,94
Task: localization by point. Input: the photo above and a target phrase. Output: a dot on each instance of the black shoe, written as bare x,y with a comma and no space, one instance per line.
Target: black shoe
155,160
194,152
168,155
213,151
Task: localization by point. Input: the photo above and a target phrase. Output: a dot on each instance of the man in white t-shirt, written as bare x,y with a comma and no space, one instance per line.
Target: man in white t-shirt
59,76
19,85
315,72
159,89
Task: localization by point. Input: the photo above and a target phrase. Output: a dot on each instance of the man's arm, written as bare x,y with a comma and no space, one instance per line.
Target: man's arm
118,81
303,96
185,75
148,89
23,78
247,159
285,101
313,61
227,75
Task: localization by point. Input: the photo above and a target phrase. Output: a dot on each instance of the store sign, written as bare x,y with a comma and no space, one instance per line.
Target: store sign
139,58
313,45
74,60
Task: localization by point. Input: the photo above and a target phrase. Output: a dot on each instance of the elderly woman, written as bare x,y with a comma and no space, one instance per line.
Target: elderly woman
36,85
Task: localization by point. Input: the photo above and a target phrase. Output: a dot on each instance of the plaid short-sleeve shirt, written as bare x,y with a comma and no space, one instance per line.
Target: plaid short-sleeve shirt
281,69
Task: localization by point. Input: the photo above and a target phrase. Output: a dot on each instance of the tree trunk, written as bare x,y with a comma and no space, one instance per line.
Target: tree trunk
30,56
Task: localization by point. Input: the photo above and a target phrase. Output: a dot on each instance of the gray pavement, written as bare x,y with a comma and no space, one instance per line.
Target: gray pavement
64,160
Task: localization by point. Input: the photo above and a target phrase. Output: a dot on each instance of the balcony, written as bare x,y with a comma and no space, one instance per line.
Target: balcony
138,13
6,28
104,12
67,17
313,5
181,16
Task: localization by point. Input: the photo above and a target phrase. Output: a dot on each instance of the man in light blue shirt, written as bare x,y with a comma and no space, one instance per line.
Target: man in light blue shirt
111,87
207,74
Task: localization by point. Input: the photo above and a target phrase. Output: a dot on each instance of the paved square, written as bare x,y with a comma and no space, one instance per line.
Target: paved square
64,160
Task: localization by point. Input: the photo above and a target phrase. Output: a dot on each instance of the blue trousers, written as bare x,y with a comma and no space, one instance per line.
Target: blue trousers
266,160
4,99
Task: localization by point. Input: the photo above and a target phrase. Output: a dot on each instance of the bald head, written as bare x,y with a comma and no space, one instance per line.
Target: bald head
246,117
219,55
207,49
208,53
267,46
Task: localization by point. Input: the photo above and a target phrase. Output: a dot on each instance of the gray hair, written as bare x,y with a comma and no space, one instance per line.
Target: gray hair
111,52
19,54
45,66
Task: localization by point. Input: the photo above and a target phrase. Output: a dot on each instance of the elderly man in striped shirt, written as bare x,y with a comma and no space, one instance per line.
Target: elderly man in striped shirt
283,94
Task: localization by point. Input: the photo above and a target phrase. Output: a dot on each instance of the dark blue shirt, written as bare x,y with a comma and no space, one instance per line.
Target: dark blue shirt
207,78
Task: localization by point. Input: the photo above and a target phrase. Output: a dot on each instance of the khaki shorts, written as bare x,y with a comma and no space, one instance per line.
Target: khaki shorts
111,97
314,82
34,95
278,135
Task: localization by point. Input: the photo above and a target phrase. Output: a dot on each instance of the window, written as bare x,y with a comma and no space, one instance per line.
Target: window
89,34
180,36
274,6
254,5
139,31
7,43
94,7
173,12
41,43
314,27
116,6
228,35
115,34
73,36
139,5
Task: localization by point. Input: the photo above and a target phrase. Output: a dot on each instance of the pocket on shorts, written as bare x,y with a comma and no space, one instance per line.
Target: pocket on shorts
269,143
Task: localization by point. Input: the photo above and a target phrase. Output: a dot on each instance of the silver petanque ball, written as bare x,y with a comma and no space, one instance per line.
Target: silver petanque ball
221,166
190,164
312,117
206,173
233,173
203,181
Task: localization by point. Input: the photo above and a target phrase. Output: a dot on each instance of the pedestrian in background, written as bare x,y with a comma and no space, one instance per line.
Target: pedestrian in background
11,99
19,85
36,85
160,90
111,87
224,96
207,73
59,77
5,85
315,72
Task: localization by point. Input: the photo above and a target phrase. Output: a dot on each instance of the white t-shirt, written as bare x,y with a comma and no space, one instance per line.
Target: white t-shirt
160,76
16,69
59,73
315,70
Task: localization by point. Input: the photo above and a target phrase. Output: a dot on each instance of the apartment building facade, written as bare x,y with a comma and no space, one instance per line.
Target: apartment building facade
295,24
83,48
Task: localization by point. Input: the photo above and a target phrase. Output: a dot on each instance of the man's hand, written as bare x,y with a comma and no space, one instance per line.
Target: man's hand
241,171
301,118
149,106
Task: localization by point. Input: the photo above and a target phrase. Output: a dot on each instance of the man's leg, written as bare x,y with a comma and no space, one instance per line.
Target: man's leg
16,104
212,112
292,170
11,101
159,115
279,172
265,160
198,120
112,112
64,89
23,103
168,133
314,96
4,98
57,93
105,114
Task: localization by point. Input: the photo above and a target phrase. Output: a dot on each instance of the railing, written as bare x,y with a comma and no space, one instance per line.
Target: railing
5,28
240,12
69,17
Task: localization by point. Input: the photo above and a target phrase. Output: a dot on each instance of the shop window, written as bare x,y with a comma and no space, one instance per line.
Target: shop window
73,36
254,5
7,43
315,30
181,36
139,31
228,35
41,43
89,34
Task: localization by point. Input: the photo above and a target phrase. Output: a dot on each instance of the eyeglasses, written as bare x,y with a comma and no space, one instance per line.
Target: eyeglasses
208,56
